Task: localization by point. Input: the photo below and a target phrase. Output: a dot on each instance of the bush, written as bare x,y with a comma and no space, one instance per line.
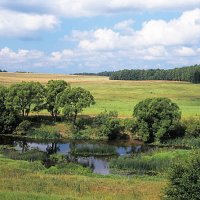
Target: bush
23,127
184,180
192,127
155,118
109,126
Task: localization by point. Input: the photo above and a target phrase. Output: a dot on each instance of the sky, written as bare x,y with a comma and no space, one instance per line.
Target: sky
74,36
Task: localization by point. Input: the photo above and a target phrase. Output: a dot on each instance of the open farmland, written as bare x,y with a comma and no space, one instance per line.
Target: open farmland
121,95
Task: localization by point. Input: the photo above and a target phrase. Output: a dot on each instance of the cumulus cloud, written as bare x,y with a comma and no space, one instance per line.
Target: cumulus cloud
16,24
82,8
172,42
184,30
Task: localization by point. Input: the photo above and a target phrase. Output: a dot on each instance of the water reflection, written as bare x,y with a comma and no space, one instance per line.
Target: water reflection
97,164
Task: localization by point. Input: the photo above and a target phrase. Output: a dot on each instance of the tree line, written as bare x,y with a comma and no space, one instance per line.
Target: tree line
57,96
3,70
190,74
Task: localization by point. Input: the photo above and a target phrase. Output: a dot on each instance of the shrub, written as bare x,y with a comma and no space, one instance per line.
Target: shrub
184,180
23,127
155,118
192,127
108,125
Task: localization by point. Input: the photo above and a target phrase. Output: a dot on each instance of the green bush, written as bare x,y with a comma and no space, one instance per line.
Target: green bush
184,180
23,127
156,118
192,127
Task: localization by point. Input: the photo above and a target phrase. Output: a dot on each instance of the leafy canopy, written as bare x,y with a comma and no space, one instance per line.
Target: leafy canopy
155,118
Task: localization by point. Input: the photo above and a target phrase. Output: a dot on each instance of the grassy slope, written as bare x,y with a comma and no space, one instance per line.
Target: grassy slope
19,180
121,95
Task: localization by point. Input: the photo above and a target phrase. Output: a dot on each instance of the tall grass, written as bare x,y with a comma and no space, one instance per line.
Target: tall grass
44,132
157,163
18,181
30,155
97,150
191,142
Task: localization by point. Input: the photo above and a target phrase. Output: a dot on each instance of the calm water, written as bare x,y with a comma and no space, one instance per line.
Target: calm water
97,164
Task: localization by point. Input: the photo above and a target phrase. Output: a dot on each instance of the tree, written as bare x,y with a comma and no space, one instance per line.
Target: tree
155,118
184,180
22,96
53,89
8,118
74,100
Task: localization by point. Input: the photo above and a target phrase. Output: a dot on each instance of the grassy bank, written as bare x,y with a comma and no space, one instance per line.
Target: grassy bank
23,180
121,95
152,164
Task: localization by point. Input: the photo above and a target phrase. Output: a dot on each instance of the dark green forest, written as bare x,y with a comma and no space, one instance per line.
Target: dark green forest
189,74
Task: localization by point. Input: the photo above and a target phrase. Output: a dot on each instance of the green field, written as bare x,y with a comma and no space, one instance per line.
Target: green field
121,96
21,180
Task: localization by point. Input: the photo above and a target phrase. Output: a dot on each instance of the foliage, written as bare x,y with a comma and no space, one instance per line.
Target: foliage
108,124
22,96
155,118
191,74
192,127
184,180
53,89
74,100
23,127
8,117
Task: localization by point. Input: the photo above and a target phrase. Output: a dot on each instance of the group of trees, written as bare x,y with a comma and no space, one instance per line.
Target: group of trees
57,96
190,74
3,70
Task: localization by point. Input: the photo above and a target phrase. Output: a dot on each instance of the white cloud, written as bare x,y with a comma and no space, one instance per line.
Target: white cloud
82,8
182,31
185,51
18,24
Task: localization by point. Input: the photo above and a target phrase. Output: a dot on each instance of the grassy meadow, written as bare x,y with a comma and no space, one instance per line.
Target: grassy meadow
22,180
121,96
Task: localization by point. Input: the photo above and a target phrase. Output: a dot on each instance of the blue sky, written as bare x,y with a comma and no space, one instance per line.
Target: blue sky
65,36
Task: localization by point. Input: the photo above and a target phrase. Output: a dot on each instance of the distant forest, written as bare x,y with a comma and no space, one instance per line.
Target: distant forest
189,74
3,70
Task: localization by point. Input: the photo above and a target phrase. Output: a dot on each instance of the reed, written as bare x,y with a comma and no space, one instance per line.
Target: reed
157,163
94,150
191,142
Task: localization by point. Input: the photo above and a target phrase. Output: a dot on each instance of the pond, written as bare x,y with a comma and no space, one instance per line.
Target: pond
98,163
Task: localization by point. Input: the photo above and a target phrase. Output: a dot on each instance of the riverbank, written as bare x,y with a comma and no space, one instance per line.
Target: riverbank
22,180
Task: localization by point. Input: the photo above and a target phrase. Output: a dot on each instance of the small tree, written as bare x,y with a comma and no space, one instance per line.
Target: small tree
155,117
8,118
184,180
22,96
74,100
53,89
